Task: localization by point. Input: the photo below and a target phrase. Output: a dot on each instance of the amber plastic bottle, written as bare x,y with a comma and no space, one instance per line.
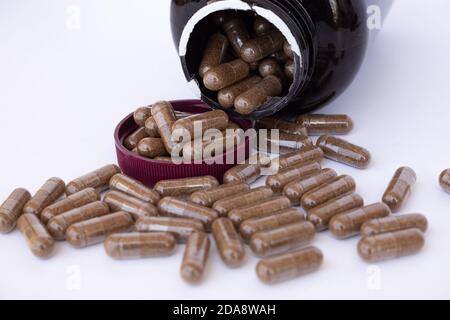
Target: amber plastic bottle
330,38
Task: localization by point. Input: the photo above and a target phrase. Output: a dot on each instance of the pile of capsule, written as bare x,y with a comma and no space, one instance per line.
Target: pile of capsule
159,126
259,65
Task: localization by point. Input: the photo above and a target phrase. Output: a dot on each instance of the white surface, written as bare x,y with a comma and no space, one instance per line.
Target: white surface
62,91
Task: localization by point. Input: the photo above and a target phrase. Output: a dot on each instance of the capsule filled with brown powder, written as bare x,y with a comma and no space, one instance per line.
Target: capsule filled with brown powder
133,188
399,188
98,179
195,257
39,240
48,194
229,244
119,201
12,209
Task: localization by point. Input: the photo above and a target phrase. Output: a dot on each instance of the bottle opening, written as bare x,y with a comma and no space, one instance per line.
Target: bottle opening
240,24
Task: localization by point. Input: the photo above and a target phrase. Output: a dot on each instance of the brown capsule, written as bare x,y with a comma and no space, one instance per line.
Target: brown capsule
98,179
286,143
142,114
135,150
48,194
284,126
195,126
163,159
140,245
280,57
228,95
277,220
279,181
245,173
287,49
281,240
96,230
151,128
444,180
321,216
211,145
38,239
207,198
289,266
230,246
58,225
73,201
133,188
151,147
270,66
178,208
391,245
226,74
225,205
320,124
236,32
307,154
133,139
297,188
344,152
259,210
289,69
338,187
261,26
397,223
164,116
348,224
262,46
119,201
182,228
252,99
12,209
215,51
186,186
399,188
195,257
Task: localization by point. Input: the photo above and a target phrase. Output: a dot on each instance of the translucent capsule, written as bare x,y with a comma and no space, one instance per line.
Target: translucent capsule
277,220
195,257
133,139
142,114
281,240
321,216
164,116
288,50
289,266
252,99
73,201
444,180
289,69
391,245
12,209
186,186
58,225
337,187
397,223
348,224
151,148
262,46
230,246
261,209
270,66
399,188
245,173
140,245
226,74
215,51
278,181
182,228
284,126
178,208
236,31
297,188
225,205
98,179
307,154
208,197
196,125
228,95
151,128
96,230
326,124
119,201
133,188
48,194
344,152
286,142
39,241
261,26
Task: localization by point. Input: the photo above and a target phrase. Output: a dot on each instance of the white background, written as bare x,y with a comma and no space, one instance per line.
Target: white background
63,89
